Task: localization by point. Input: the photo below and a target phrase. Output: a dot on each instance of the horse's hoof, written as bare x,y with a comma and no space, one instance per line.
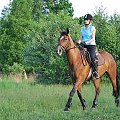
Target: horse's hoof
84,108
94,106
117,102
84,105
66,109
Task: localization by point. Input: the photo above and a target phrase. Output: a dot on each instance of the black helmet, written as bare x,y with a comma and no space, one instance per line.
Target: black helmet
88,17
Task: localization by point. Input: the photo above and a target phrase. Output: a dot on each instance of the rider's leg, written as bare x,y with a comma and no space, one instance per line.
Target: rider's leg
94,59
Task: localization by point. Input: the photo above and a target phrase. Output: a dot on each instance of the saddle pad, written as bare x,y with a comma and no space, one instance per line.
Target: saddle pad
101,60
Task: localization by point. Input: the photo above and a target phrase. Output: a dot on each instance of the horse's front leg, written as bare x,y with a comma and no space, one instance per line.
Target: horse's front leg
69,102
84,105
97,92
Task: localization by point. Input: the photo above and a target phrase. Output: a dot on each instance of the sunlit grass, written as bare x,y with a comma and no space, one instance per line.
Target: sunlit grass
24,101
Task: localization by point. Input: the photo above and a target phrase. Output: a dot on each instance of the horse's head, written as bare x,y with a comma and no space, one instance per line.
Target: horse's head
63,42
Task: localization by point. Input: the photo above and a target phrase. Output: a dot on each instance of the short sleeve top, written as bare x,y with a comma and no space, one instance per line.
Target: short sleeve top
87,34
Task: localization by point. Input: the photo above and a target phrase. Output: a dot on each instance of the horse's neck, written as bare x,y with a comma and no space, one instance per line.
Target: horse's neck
74,60
72,44
73,55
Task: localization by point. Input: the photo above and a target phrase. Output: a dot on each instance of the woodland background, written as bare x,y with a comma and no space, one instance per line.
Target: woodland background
29,31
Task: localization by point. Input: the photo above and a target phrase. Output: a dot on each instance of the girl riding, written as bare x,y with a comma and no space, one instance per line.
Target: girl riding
88,38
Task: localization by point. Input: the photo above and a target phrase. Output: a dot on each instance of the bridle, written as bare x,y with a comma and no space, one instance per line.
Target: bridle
67,46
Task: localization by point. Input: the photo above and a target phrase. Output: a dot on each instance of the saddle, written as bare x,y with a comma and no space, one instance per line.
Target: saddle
86,55
101,60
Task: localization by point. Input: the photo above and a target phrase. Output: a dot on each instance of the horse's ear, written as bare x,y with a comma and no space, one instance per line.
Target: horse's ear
67,30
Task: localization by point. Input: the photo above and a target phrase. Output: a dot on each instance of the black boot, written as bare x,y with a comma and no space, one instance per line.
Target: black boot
95,69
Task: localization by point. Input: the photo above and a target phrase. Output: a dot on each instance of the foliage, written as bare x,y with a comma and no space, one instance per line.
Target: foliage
16,68
57,6
107,35
22,9
12,41
40,53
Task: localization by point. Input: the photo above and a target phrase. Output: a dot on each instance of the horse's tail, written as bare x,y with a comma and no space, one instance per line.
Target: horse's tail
117,100
118,83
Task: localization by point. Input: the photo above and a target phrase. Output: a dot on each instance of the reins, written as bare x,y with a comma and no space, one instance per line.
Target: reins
83,54
82,50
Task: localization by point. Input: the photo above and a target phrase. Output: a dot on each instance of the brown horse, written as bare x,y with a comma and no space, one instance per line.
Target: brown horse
81,71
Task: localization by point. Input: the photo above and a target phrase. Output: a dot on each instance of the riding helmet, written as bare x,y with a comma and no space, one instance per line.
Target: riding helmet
88,17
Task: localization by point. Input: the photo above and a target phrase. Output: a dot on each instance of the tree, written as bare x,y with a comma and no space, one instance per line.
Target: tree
57,6
13,30
108,32
114,20
26,27
6,11
40,53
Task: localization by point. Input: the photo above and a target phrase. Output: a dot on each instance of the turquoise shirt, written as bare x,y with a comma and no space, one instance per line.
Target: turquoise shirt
87,34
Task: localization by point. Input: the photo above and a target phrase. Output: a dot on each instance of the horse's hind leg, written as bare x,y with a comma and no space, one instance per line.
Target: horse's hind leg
113,74
97,91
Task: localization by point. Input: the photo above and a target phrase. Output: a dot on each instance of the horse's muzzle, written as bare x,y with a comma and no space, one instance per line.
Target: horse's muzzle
59,50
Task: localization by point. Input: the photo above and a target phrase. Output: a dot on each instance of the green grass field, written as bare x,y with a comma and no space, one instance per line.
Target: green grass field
23,101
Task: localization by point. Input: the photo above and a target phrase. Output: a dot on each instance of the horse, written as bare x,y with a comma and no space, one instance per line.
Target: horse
80,70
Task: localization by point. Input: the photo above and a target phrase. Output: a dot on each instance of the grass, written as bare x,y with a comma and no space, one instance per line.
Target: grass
23,101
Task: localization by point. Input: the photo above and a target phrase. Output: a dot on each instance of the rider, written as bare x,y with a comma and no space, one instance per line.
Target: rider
88,38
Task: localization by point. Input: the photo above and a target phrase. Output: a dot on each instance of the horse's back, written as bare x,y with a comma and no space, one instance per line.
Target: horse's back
106,55
109,59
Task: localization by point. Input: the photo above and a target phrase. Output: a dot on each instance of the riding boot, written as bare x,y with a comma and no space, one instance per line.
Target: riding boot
95,69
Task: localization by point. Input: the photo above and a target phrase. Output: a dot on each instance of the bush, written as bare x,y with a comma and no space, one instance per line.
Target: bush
14,69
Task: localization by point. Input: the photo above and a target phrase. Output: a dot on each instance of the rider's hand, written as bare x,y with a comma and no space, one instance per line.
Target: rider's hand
83,43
